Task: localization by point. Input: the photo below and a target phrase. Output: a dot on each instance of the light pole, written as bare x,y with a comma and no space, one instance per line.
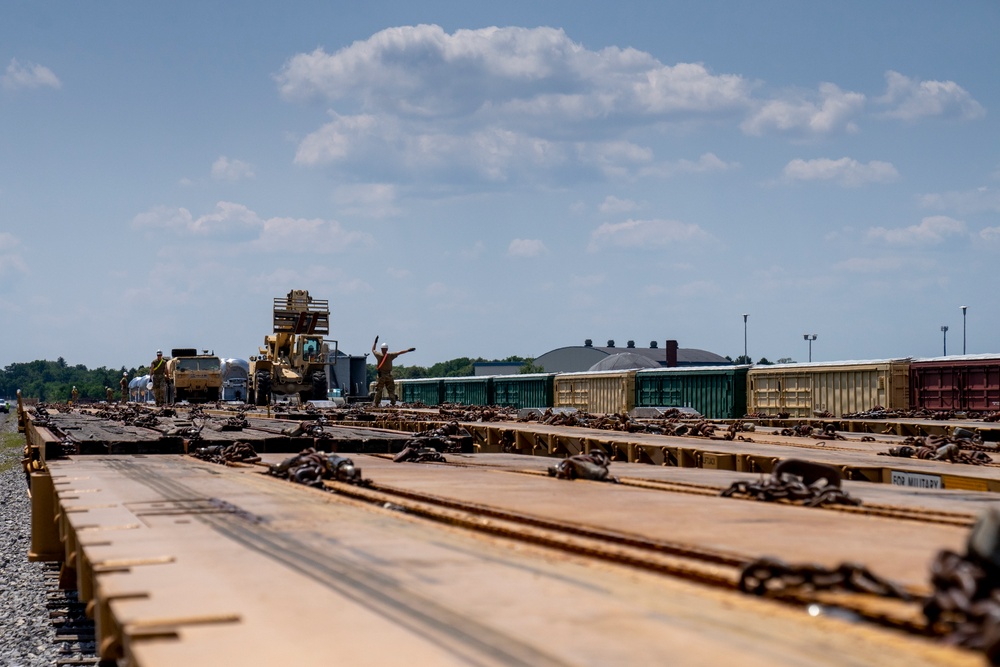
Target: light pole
810,338
746,357
944,331
964,308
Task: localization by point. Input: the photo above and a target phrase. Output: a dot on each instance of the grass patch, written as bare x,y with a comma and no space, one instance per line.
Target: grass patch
11,448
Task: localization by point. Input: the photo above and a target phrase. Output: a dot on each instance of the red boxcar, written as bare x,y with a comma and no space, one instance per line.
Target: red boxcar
969,382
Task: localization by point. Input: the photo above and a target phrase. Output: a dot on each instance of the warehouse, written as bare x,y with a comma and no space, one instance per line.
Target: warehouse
578,358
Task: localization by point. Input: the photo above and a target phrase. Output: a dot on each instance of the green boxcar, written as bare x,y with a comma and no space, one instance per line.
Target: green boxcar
470,390
531,390
717,392
429,391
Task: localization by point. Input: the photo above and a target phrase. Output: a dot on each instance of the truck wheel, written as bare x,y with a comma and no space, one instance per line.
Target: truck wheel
263,388
319,386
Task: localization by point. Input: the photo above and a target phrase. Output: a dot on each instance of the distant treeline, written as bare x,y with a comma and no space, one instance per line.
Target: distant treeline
53,381
460,367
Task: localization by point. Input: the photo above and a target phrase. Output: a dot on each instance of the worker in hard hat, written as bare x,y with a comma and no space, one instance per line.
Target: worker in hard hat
383,365
73,396
124,385
158,374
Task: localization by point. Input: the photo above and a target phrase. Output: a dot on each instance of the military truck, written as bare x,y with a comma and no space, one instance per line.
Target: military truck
196,378
292,364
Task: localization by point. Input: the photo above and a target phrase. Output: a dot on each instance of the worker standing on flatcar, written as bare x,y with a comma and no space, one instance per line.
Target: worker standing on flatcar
383,365
124,385
73,396
158,374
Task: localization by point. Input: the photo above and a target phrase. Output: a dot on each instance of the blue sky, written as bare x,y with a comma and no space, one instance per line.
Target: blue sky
480,179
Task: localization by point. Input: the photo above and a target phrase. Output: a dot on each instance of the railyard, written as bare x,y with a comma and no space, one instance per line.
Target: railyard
434,534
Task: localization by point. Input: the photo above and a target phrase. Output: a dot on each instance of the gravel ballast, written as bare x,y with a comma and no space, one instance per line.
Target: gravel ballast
28,635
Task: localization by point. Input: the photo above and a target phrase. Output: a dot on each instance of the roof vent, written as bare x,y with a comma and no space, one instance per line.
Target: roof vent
652,344
588,343
630,345
611,343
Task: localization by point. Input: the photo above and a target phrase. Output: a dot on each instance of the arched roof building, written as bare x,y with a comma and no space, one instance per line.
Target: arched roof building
576,358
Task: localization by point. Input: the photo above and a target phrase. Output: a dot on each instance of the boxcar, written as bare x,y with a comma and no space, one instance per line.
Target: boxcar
840,388
967,382
469,390
716,392
530,390
608,392
429,391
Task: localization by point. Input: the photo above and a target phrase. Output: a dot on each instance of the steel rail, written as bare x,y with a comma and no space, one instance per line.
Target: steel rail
705,566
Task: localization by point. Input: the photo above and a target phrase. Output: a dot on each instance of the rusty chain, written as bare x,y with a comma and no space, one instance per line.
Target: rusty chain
797,481
592,466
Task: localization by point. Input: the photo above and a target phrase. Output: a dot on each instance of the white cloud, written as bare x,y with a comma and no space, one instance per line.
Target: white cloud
910,99
612,204
990,234
422,71
829,112
982,199
237,223
10,258
28,75
931,230
844,171
475,252
526,248
708,162
644,233
496,104
225,169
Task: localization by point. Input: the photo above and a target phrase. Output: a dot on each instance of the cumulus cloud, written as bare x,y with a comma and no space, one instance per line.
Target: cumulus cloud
708,162
422,71
931,231
28,75
991,234
828,112
526,248
225,169
237,223
644,234
496,103
844,171
612,204
910,99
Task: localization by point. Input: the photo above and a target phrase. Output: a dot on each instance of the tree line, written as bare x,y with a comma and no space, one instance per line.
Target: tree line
53,381
460,367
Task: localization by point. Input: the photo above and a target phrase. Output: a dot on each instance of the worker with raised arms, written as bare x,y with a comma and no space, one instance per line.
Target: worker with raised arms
383,365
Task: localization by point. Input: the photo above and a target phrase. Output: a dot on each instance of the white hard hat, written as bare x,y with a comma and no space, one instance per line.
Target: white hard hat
125,374
159,351
385,346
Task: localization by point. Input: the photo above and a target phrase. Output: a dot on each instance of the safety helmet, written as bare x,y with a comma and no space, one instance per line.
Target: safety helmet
385,346
159,351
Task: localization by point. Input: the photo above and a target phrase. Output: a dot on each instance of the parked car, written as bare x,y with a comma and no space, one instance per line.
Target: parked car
4,406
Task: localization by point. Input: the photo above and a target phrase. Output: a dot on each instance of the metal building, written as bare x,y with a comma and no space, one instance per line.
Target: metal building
578,358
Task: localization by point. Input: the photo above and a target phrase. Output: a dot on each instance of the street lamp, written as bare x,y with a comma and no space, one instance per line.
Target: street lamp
944,331
810,338
746,357
964,308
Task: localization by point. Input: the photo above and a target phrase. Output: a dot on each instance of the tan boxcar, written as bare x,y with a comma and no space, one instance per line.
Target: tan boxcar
842,387
607,392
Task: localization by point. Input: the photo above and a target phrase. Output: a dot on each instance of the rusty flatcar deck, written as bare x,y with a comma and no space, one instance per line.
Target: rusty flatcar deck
192,563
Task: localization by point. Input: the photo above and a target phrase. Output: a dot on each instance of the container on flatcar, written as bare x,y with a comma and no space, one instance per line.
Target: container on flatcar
529,390
716,392
469,390
803,390
429,391
966,382
607,392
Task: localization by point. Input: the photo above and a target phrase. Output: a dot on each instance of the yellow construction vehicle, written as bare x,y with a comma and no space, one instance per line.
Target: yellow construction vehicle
292,364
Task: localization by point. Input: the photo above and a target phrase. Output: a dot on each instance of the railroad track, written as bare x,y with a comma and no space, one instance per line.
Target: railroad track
713,567
919,515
